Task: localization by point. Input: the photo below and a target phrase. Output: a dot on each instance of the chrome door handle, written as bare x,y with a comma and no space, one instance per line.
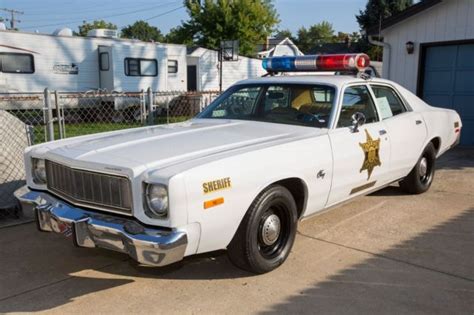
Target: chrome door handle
419,122
382,132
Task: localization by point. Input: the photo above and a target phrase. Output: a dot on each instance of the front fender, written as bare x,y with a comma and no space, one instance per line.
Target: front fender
249,174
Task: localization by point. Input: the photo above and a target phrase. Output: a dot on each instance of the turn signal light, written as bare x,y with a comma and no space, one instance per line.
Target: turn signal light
214,202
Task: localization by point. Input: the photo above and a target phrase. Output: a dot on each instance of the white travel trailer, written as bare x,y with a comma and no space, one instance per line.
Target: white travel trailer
31,62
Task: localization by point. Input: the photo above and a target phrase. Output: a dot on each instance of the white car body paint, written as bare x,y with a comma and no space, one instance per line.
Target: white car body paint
253,155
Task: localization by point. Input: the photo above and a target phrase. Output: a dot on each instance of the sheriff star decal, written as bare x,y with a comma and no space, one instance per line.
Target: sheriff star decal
371,151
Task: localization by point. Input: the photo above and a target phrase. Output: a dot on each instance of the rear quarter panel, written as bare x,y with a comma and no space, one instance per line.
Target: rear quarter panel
440,124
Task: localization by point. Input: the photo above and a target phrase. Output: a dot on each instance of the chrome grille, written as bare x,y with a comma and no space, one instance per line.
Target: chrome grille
101,191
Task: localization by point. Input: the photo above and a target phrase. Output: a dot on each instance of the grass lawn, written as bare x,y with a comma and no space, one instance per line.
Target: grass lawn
80,129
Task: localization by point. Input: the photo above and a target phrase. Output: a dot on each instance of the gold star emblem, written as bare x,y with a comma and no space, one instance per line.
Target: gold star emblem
371,152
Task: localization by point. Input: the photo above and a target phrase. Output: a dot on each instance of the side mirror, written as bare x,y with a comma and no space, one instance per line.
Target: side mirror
358,119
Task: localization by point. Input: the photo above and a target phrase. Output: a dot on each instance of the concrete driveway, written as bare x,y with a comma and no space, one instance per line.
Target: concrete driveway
384,253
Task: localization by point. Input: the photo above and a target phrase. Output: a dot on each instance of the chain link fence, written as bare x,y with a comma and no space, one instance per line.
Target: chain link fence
57,115
30,109
87,113
32,118
170,107
13,141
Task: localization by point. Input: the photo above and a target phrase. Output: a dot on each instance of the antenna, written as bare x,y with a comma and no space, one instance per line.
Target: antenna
12,20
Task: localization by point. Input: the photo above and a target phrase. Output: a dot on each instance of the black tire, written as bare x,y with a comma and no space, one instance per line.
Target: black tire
419,181
256,247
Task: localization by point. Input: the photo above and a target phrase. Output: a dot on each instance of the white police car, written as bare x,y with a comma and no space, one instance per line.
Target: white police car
240,175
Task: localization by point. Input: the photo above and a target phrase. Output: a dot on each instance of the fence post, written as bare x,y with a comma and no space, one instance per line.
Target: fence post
142,107
168,110
149,98
49,116
60,117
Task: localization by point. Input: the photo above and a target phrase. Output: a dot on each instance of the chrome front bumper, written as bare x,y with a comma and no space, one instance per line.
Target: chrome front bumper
149,246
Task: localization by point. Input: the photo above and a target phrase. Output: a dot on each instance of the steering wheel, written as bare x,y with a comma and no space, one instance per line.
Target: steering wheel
319,119
235,109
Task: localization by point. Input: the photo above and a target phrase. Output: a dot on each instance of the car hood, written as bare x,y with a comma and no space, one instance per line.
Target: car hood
164,145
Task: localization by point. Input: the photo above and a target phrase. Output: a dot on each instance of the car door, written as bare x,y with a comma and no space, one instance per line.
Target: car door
405,128
360,157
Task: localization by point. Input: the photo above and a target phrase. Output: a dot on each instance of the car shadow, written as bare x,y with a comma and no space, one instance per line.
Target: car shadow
33,269
431,273
393,190
207,266
458,159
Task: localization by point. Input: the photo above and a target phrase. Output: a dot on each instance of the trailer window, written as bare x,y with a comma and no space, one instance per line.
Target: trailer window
104,61
172,66
17,63
141,67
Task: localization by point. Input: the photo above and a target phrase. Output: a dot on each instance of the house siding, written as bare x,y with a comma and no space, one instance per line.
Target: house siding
448,21
233,71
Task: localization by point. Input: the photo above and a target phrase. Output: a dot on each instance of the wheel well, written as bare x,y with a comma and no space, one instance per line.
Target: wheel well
436,143
298,189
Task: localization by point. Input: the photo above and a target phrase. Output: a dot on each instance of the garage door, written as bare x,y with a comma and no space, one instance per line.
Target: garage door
448,81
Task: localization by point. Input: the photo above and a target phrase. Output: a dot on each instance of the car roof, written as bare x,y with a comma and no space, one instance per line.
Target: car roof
335,80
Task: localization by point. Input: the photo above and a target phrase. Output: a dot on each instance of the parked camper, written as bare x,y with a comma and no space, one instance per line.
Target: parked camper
31,62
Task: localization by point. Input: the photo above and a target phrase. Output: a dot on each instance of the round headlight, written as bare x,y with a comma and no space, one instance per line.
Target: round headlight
39,171
157,199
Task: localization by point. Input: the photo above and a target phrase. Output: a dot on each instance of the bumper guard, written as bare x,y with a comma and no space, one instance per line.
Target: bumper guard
148,246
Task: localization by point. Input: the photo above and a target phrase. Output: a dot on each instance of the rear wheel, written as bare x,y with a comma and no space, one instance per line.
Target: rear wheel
421,176
266,235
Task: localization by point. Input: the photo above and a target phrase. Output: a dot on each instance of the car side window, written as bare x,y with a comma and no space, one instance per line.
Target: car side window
388,101
356,99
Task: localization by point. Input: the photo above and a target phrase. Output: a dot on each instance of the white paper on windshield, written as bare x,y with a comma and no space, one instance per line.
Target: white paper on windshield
384,107
219,113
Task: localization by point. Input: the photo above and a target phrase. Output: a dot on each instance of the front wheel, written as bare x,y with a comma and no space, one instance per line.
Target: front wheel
421,176
266,235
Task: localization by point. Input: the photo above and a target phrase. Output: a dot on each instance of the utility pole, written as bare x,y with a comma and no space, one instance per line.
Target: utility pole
221,59
12,20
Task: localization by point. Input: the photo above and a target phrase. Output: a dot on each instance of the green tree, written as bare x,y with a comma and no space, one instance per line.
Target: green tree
342,37
86,27
211,21
316,34
282,34
180,35
143,31
377,10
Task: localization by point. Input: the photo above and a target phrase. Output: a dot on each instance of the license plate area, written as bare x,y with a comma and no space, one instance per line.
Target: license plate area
61,227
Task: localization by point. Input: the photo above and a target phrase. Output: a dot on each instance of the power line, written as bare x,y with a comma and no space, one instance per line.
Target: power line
96,18
115,15
164,13
76,12
12,20
104,17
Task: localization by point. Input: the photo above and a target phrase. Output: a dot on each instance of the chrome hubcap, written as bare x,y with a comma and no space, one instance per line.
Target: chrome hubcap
271,229
423,167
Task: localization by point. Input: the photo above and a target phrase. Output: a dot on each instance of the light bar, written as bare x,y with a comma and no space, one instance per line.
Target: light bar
339,62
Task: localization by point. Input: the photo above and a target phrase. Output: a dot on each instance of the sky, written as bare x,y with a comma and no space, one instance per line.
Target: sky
48,15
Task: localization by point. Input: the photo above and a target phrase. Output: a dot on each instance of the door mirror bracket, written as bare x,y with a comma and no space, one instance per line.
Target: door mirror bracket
358,119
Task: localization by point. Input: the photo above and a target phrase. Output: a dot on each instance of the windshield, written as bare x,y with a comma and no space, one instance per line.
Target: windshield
295,104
